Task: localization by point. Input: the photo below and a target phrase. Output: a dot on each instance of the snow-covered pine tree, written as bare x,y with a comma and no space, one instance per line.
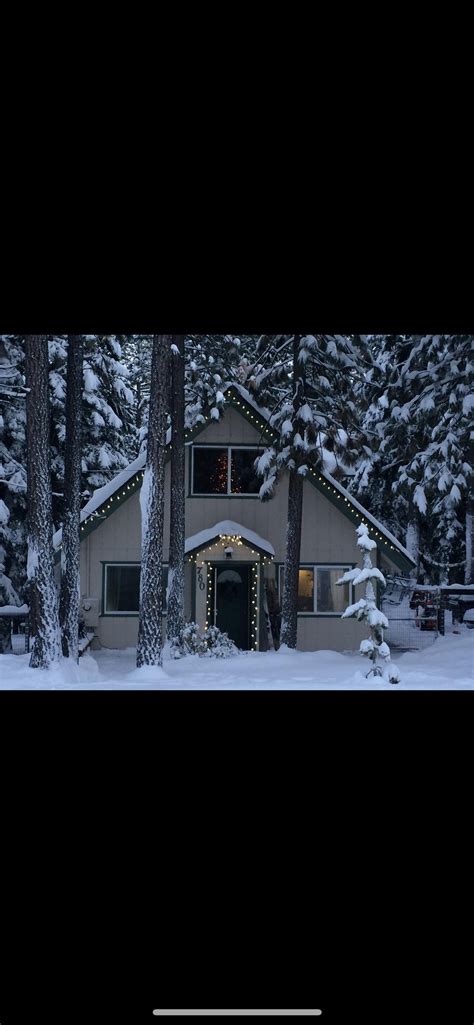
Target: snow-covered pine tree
152,502
385,439
175,618
366,609
208,361
306,381
137,352
44,612
71,545
415,469
109,440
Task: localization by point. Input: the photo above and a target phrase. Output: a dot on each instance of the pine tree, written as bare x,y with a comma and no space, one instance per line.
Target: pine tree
44,614
152,501
299,378
108,429
414,472
208,368
366,609
176,618
71,545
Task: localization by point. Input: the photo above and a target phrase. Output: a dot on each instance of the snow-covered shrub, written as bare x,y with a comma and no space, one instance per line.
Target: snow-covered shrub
212,643
218,644
189,642
373,647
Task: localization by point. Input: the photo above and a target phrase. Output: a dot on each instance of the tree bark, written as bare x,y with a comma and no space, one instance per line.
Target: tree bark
176,618
469,523
412,542
289,609
152,501
70,556
43,593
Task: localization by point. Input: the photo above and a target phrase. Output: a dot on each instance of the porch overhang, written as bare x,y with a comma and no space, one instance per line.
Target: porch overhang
228,531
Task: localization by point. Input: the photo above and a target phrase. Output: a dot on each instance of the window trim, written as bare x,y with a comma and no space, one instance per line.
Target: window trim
315,566
223,494
124,615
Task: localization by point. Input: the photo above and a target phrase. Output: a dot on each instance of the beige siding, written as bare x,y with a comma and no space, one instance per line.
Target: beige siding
327,537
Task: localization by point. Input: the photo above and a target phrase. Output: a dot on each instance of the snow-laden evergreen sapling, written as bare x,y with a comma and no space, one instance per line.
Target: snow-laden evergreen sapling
366,609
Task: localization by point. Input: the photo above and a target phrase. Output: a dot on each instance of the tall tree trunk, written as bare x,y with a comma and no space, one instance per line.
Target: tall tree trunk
152,502
412,542
71,550
43,592
289,608
469,571
176,619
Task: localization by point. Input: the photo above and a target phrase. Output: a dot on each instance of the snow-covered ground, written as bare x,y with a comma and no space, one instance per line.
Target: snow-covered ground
448,664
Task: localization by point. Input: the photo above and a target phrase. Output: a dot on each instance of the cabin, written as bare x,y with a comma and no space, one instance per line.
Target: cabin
235,543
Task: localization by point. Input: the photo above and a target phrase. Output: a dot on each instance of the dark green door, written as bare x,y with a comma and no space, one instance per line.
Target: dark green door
232,603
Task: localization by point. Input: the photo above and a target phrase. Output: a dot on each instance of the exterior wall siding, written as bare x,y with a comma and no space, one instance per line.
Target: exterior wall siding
327,537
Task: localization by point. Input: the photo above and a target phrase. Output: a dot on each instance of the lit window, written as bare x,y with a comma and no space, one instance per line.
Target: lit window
211,473
225,471
328,598
244,480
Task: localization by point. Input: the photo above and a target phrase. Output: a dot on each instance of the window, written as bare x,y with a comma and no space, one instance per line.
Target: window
225,470
210,471
122,589
243,475
327,598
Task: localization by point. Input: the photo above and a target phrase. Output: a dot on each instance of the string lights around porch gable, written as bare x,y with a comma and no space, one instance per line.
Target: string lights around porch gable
209,594
254,608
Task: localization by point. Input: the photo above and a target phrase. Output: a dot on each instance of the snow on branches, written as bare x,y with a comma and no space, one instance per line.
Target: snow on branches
373,647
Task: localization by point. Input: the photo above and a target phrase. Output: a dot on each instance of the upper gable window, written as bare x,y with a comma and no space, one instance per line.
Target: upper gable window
229,470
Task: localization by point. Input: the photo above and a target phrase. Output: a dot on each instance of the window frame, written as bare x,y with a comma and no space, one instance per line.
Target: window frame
258,449
315,566
127,615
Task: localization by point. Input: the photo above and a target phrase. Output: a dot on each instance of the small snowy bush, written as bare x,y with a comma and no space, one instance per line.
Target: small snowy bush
189,642
212,643
218,644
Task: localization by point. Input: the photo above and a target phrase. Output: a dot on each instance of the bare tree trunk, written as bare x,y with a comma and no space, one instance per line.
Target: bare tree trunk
43,592
71,550
176,619
289,608
412,543
152,502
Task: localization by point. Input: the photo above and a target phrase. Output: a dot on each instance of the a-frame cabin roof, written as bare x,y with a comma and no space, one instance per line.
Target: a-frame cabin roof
107,499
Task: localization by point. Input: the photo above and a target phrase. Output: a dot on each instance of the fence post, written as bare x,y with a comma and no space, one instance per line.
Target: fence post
441,616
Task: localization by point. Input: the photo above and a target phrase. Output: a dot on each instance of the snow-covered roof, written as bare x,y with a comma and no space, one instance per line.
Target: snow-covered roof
228,527
103,494
14,610
246,395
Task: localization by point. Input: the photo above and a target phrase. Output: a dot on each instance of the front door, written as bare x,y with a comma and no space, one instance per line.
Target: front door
232,603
